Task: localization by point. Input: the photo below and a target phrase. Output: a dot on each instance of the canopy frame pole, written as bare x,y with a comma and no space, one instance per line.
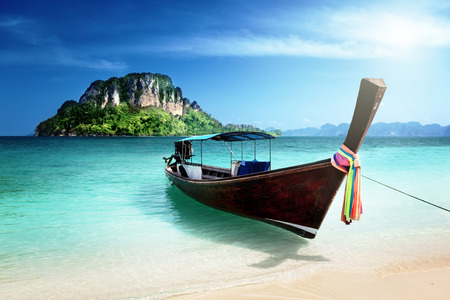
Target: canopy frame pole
201,154
254,151
183,153
231,151
242,151
270,154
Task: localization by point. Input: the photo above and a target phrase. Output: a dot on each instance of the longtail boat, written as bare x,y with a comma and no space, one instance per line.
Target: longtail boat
296,198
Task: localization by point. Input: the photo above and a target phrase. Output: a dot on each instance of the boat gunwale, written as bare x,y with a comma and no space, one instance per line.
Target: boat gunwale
257,175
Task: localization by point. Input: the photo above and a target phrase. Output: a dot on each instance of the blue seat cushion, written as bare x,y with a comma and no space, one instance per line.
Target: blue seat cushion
245,168
260,166
249,167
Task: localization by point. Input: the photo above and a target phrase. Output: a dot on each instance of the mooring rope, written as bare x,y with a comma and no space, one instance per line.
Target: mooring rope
402,192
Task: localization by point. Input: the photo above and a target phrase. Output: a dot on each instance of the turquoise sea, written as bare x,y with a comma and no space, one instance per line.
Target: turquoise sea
96,218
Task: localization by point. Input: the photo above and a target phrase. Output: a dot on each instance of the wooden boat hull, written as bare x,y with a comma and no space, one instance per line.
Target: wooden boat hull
295,198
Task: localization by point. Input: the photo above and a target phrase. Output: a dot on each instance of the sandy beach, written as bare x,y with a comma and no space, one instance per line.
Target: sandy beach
424,280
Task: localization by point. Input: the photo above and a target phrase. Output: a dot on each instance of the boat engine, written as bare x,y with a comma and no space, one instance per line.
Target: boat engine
184,149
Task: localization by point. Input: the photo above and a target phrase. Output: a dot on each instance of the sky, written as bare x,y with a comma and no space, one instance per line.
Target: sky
282,64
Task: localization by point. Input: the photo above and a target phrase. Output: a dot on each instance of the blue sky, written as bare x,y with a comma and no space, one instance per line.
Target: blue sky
285,64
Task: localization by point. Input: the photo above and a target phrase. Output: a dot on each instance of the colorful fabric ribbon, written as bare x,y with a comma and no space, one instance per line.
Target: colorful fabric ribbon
349,163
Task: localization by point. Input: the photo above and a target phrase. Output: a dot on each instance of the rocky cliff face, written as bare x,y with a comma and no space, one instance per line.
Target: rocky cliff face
139,90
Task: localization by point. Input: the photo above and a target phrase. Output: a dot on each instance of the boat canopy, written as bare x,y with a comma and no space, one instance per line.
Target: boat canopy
231,136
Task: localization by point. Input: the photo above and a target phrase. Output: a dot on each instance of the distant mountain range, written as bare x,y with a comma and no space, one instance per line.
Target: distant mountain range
413,129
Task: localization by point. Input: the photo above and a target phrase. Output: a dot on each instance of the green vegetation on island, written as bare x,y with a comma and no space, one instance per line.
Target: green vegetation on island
87,119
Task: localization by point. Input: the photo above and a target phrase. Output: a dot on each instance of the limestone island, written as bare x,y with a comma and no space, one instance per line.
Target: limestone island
137,104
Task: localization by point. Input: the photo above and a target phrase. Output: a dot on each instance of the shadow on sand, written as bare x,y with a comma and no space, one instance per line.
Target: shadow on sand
220,227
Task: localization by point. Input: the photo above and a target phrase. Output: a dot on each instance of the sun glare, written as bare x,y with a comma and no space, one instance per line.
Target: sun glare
400,35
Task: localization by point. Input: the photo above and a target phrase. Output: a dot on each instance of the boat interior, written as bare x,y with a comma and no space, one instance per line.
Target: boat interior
184,152
198,171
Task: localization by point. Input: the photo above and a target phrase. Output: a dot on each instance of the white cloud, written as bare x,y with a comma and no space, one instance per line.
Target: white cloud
377,31
250,45
58,57
72,59
38,46
342,33
11,22
390,34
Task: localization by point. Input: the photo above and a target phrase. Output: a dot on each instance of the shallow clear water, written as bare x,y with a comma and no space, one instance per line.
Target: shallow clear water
96,218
